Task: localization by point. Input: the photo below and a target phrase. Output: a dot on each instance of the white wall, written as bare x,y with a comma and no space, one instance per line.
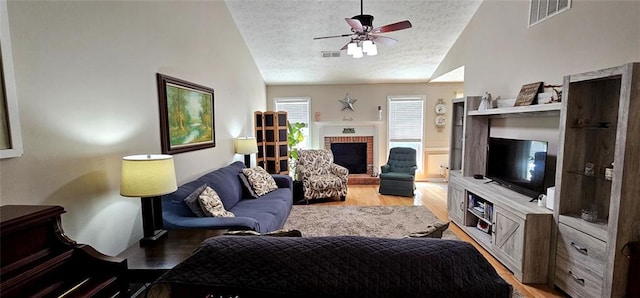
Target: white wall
325,100
500,53
86,85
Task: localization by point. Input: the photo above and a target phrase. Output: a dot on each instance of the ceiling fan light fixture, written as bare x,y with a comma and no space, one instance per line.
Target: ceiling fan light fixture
367,46
351,48
357,53
363,36
373,50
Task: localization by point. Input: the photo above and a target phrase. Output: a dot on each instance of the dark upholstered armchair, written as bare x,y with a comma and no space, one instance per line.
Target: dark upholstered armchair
398,175
321,178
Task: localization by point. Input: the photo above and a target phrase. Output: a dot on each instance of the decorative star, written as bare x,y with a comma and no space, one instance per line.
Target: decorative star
347,102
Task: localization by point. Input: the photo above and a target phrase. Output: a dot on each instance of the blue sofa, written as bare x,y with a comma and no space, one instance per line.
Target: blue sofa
264,214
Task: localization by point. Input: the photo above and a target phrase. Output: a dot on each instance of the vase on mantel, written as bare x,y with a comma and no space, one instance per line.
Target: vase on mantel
379,113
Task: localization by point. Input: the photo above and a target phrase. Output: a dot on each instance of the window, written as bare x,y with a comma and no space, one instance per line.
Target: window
297,109
541,10
405,123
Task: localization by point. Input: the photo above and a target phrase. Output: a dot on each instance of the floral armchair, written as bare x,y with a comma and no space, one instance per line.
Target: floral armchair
321,178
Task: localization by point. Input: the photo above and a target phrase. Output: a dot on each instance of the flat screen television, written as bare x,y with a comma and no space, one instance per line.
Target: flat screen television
518,164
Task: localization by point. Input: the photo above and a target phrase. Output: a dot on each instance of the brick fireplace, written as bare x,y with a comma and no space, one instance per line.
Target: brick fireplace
368,132
368,140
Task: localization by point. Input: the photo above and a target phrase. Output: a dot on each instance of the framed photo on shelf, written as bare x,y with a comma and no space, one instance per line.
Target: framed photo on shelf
528,94
186,115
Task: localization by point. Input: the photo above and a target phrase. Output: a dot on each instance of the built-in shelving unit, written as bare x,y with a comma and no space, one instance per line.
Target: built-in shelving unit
518,233
457,133
599,125
513,229
554,108
596,173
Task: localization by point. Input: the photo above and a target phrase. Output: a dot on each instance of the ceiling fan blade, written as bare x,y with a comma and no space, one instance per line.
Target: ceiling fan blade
333,36
355,24
392,27
383,40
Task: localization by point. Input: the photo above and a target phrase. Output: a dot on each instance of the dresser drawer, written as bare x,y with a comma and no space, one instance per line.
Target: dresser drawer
576,280
582,249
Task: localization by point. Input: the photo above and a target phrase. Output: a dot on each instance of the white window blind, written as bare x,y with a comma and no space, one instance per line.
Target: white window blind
297,111
405,119
405,123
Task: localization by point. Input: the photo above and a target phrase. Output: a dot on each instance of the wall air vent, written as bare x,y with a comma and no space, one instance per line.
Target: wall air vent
330,54
541,10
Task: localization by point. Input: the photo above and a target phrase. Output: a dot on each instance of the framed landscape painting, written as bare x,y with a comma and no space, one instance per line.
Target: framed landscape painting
186,115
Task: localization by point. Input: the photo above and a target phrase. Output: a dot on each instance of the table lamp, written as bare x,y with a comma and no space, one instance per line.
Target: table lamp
246,146
148,177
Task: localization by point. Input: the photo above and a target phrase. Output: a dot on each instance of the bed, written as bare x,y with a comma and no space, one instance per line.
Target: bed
335,266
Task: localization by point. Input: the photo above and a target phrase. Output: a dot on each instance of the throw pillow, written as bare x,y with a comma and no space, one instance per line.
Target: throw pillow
246,186
433,230
261,181
242,233
192,201
277,233
284,233
212,205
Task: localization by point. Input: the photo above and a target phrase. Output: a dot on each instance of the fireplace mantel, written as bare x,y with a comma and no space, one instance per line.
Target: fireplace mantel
336,129
347,123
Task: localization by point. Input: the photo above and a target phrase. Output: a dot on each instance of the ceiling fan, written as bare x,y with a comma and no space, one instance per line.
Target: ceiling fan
364,36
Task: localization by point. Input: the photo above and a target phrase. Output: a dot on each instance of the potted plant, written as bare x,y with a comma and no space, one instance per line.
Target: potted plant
294,137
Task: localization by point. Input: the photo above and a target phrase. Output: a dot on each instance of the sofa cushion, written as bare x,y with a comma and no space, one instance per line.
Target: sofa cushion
174,202
246,187
270,213
193,203
212,205
226,183
397,176
261,181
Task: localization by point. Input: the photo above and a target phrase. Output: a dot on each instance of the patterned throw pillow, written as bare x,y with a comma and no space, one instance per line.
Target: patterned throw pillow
433,230
192,201
261,181
212,205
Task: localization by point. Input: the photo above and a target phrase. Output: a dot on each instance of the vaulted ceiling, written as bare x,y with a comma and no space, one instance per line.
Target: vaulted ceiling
279,34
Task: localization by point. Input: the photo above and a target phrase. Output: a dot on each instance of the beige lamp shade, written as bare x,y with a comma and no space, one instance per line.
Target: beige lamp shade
147,175
246,145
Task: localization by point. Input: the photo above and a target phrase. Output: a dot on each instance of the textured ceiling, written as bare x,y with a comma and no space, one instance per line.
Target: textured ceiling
279,34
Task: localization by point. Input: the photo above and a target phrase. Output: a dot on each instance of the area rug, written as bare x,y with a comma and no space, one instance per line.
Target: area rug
370,221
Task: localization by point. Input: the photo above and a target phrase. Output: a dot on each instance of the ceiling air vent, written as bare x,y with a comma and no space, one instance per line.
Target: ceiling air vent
330,54
541,10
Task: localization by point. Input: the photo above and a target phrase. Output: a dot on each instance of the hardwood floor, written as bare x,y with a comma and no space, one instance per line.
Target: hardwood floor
434,197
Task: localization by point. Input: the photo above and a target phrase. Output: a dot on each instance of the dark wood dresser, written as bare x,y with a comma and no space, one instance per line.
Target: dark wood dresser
39,260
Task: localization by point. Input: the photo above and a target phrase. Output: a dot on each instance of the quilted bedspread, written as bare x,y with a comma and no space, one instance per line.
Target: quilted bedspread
336,266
